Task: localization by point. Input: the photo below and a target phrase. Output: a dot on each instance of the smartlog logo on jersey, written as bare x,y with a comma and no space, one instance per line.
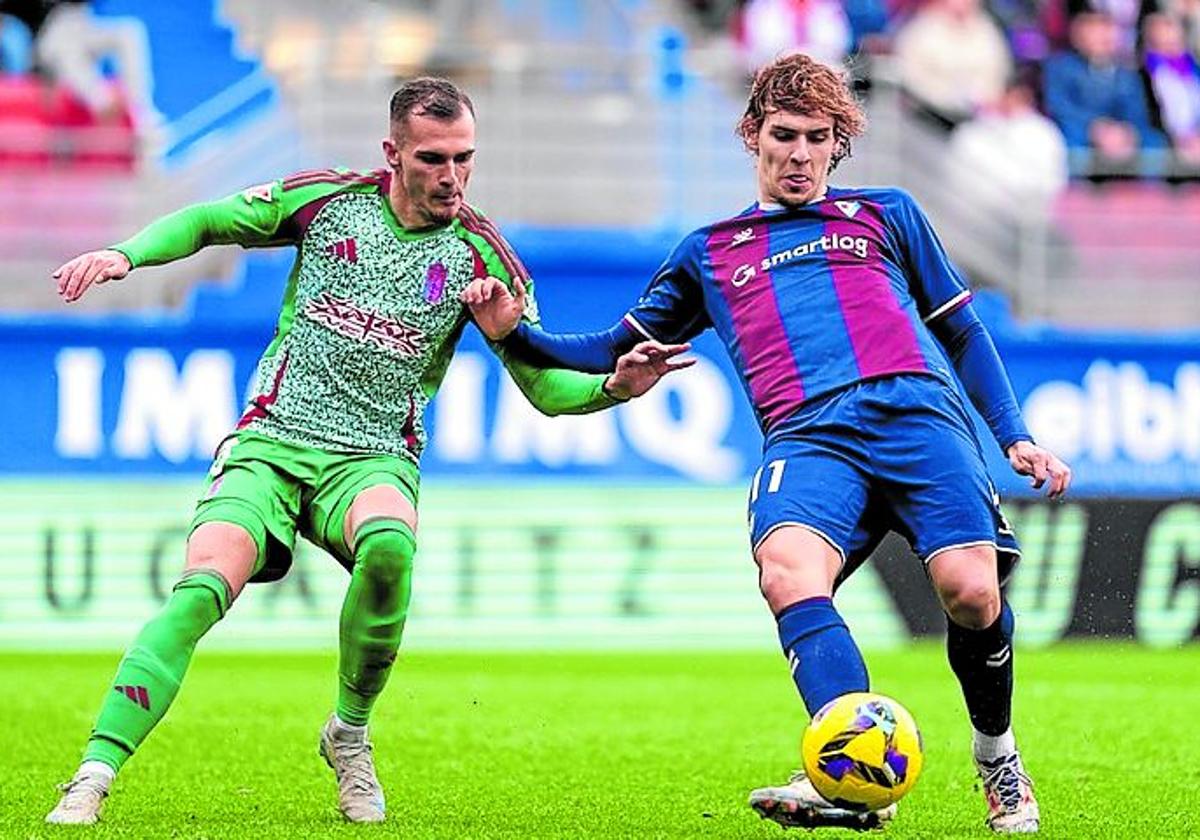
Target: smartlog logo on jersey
829,242
857,245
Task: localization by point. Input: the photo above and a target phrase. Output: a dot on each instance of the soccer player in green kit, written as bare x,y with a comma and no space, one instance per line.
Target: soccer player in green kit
329,444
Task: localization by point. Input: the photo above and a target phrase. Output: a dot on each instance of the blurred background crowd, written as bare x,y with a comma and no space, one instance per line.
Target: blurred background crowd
1057,142
1093,88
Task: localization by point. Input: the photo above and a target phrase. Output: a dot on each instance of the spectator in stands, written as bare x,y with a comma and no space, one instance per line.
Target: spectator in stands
1187,12
1054,19
1124,14
868,24
1011,160
1174,78
953,59
768,29
1021,21
1099,103
1056,15
72,42
16,45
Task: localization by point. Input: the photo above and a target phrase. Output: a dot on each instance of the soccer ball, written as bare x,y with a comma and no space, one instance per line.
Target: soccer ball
862,751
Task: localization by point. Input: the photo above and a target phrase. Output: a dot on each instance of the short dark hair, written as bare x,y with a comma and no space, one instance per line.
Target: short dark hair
429,97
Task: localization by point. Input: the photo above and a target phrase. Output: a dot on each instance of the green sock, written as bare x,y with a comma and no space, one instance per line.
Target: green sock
373,614
149,674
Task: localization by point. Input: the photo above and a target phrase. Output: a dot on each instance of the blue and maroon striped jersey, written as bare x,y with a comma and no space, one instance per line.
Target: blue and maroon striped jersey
810,299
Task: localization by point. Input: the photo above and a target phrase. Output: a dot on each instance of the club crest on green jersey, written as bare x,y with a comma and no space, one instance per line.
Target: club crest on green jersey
435,282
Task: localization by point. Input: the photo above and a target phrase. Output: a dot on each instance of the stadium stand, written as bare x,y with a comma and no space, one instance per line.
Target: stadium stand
46,125
583,126
80,180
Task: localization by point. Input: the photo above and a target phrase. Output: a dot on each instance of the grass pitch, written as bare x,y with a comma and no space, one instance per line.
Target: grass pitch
595,745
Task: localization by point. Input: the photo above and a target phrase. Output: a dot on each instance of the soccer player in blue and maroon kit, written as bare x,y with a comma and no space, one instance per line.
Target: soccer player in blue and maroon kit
844,316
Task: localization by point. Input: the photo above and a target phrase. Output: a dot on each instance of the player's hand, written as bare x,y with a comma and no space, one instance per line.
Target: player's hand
496,310
1041,465
76,277
640,369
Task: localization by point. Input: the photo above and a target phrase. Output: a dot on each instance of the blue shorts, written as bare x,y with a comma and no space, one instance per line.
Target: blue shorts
894,454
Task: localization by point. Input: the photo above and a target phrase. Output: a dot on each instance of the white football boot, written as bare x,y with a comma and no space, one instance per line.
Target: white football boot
360,797
1012,808
81,799
798,805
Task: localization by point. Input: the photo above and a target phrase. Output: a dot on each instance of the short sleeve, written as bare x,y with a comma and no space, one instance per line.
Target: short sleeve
935,284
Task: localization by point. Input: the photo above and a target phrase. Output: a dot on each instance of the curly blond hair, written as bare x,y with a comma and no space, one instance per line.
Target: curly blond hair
802,85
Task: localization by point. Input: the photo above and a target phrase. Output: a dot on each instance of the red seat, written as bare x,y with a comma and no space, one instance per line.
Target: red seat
44,125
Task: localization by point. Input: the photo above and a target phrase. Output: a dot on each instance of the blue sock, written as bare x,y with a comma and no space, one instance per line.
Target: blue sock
983,662
824,660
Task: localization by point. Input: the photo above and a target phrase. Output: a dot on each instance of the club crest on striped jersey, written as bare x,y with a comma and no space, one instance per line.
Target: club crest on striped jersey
848,208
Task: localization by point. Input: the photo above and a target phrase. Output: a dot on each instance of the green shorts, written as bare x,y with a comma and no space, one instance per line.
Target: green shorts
274,489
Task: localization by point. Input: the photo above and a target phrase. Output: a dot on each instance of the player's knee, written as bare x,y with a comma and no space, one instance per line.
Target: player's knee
974,604
227,550
966,583
791,570
385,555
774,581
783,583
793,565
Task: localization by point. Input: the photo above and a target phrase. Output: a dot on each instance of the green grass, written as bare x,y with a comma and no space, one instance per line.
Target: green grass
595,745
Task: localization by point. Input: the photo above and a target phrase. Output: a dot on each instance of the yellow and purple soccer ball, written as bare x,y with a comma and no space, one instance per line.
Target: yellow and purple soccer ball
862,751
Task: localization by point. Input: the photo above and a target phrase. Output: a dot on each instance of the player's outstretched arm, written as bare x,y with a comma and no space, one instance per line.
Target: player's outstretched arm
251,218
76,276
641,368
1041,465
982,374
497,311
556,391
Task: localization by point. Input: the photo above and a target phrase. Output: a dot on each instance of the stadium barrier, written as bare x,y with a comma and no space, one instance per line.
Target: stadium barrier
124,397
624,528
83,564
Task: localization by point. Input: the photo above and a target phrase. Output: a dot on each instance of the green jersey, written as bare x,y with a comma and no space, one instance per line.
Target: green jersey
371,313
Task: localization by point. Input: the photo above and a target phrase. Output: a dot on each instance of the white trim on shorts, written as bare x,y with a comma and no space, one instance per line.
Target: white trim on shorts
841,552
929,557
